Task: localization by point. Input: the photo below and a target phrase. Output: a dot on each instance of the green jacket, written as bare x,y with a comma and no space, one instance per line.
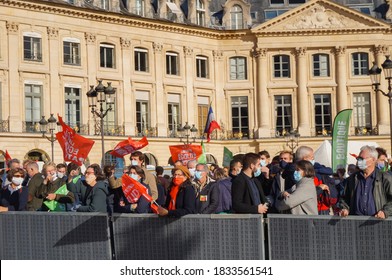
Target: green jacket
382,192
95,199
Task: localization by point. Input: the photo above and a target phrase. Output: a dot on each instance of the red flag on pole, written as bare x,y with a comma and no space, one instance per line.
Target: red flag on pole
75,147
128,146
185,153
211,124
133,190
7,156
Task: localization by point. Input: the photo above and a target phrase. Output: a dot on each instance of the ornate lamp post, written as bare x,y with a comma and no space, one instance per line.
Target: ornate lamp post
101,94
188,132
375,77
51,125
292,139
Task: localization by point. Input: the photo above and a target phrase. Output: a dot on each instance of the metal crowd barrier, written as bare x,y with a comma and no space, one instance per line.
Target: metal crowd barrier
329,238
192,237
54,236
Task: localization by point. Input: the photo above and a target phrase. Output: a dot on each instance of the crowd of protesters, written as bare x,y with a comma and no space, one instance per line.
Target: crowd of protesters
253,183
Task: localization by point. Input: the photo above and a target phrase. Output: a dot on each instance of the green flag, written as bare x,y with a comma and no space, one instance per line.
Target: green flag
341,126
202,158
227,157
53,205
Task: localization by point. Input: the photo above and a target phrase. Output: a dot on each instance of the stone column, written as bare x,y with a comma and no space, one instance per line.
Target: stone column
126,102
219,102
91,49
263,107
15,86
383,113
341,79
160,116
188,112
302,93
55,94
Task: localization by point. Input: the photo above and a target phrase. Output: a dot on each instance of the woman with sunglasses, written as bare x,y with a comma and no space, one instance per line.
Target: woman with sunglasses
14,196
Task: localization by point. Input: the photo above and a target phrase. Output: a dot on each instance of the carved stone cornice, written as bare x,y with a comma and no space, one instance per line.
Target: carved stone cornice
340,50
125,43
300,52
157,47
12,27
53,33
218,55
380,50
90,38
188,51
260,52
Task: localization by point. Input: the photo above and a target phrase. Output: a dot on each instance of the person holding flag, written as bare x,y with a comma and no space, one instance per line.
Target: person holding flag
211,124
139,204
181,197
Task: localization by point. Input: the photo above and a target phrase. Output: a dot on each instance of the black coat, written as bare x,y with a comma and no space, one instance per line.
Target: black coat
241,195
185,201
207,201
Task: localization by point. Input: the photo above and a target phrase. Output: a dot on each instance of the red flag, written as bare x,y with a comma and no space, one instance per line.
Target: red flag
133,190
211,124
185,153
128,146
7,156
75,147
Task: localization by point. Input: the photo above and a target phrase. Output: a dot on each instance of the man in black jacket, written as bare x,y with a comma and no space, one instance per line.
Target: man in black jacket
247,193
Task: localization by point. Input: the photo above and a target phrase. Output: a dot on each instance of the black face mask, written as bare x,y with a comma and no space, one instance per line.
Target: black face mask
283,164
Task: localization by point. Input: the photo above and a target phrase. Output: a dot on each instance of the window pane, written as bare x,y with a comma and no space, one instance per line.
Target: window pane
322,105
240,118
283,113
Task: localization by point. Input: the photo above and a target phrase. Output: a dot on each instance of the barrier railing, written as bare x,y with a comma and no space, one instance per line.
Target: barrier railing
43,235
329,238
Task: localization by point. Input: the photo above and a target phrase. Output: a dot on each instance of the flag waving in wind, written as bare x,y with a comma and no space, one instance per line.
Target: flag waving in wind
7,156
211,124
75,147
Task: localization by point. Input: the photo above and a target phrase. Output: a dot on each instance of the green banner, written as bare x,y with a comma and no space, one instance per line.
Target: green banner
227,157
53,205
202,158
341,126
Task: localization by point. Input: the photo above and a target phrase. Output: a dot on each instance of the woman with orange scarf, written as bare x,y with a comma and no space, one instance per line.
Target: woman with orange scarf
181,198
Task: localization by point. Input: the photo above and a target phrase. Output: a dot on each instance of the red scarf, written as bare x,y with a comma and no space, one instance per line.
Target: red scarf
173,196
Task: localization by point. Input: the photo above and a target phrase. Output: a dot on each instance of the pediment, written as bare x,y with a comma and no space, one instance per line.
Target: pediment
320,15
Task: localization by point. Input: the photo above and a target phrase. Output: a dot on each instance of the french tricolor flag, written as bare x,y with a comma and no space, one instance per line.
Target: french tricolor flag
211,124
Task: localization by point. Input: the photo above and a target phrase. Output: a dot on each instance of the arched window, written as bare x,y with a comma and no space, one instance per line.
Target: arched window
236,14
150,159
211,159
117,162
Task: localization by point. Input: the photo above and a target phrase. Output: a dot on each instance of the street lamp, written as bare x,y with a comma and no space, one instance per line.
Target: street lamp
292,139
375,77
51,124
101,94
188,132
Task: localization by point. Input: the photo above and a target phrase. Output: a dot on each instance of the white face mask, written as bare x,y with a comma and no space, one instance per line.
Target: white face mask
17,181
60,174
192,171
54,177
134,162
90,179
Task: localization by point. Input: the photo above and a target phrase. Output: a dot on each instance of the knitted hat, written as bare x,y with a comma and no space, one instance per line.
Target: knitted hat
184,170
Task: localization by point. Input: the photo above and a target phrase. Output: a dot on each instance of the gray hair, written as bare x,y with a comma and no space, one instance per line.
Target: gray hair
205,167
302,152
33,165
372,151
191,162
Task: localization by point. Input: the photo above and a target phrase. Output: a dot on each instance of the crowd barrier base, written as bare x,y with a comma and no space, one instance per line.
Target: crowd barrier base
192,237
329,238
54,236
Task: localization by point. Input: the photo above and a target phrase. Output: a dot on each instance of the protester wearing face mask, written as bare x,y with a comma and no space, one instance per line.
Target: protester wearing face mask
301,200
121,203
207,192
181,196
191,165
247,192
51,184
94,196
61,171
74,184
14,196
369,191
382,160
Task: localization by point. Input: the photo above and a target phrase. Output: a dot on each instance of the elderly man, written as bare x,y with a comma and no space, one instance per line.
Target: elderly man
369,191
207,191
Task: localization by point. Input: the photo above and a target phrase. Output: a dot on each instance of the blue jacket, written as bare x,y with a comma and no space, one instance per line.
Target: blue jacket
17,201
225,203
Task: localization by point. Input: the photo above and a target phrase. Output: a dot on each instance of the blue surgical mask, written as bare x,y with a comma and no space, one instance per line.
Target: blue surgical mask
134,162
257,172
134,176
361,164
198,175
263,163
380,165
297,175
